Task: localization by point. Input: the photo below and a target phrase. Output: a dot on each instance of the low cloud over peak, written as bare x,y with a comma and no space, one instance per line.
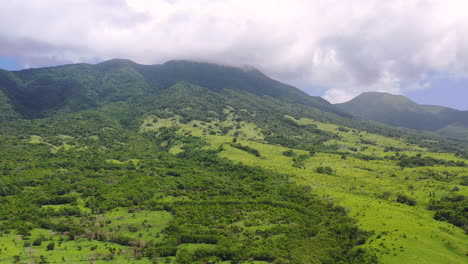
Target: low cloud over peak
348,47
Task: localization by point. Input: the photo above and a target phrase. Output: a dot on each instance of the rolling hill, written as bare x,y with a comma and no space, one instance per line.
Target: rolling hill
190,162
397,110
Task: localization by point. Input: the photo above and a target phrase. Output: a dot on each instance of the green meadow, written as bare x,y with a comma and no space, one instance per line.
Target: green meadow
227,185
367,189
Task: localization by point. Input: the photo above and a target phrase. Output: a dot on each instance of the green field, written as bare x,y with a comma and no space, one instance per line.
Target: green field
368,190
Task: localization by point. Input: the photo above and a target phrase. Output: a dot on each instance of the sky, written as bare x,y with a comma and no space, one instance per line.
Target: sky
332,48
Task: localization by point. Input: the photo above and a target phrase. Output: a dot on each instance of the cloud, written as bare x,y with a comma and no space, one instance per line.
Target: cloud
346,46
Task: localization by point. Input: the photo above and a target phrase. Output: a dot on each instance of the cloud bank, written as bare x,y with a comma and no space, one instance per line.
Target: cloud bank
345,46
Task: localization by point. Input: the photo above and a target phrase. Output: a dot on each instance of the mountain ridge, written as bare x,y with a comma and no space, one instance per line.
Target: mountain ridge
75,87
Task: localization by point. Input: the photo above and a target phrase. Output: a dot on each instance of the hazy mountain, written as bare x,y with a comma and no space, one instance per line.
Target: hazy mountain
397,110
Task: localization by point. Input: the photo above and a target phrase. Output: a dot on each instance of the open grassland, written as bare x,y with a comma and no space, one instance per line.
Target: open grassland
406,234
367,189
16,249
139,227
365,179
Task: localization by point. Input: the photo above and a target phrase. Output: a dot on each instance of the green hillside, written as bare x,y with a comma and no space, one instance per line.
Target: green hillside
397,110
7,110
133,168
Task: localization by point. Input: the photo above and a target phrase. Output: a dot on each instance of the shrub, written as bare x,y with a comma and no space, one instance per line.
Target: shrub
325,170
37,242
246,149
343,129
464,181
50,246
184,257
451,209
405,200
289,153
299,161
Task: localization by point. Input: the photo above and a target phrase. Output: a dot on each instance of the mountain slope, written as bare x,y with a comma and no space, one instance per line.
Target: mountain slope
7,110
398,110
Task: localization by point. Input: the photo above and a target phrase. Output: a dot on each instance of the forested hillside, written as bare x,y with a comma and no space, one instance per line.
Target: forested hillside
198,163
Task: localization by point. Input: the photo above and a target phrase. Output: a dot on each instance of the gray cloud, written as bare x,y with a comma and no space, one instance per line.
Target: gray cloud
346,46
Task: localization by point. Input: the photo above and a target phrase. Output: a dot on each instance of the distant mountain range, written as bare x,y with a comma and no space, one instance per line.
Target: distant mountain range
397,110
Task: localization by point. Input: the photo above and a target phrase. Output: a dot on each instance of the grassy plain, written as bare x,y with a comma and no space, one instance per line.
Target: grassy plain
367,189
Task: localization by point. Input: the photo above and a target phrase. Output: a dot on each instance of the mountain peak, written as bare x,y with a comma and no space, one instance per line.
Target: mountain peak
195,63
383,97
398,110
115,63
378,101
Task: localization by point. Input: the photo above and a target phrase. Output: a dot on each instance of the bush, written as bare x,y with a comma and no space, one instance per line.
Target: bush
37,242
246,149
451,209
464,181
343,129
405,200
325,170
299,161
184,257
289,153
50,246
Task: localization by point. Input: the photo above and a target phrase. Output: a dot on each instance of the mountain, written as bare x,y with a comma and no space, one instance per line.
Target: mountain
70,88
190,162
397,110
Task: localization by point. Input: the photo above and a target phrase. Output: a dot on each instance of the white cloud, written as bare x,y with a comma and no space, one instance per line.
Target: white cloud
347,46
